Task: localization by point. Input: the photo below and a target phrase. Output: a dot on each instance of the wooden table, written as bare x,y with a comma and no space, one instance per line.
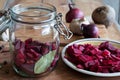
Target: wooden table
62,71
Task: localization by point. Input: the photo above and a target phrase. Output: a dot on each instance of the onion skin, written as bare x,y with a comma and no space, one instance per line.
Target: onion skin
90,31
73,13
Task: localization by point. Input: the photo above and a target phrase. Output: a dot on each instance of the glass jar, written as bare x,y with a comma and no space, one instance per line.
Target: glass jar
4,38
34,38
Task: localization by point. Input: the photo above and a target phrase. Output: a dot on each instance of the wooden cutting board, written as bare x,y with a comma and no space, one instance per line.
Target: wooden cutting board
3,4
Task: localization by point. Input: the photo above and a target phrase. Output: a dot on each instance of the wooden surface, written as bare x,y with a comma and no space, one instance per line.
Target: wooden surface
62,71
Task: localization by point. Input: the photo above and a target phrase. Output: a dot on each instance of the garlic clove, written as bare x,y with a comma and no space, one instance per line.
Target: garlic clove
5,36
75,25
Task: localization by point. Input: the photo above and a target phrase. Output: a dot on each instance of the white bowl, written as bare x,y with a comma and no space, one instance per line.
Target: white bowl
94,41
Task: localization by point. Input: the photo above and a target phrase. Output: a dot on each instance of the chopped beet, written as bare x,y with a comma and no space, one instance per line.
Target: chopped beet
36,43
83,58
29,56
45,49
54,47
81,47
30,61
107,45
91,63
20,58
115,57
104,58
34,53
19,45
28,68
75,46
28,41
80,66
77,52
106,53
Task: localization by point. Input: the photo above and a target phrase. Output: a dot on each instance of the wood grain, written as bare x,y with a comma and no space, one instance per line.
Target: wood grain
62,71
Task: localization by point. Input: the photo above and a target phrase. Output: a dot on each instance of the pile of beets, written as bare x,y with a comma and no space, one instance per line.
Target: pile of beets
104,58
28,52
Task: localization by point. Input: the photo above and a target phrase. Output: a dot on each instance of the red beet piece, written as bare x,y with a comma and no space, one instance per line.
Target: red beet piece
73,52
45,49
83,58
107,45
105,69
75,46
20,55
95,51
81,47
74,61
40,48
115,57
18,62
93,68
36,43
29,56
54,46
27,68
90,50
80,66
19,45
28,41
35,48
20,58
34,53
30,61
106,53
77,52
70,51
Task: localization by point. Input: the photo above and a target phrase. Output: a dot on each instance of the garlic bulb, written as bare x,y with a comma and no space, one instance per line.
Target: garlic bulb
75,25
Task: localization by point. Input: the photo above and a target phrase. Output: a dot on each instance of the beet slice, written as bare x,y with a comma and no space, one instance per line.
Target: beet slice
19,45
107,45
20,58
45,49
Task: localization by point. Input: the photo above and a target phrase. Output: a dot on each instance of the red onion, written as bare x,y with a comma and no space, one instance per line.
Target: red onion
73,13
90,31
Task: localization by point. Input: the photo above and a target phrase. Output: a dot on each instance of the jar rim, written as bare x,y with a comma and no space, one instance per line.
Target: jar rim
17,9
